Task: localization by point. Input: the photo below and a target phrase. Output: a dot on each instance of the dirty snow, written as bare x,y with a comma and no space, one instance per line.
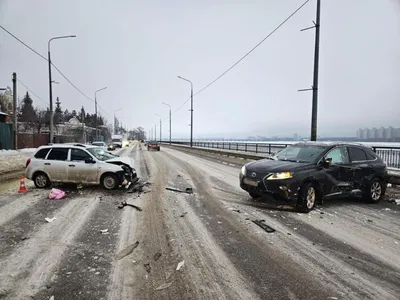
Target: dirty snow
14,160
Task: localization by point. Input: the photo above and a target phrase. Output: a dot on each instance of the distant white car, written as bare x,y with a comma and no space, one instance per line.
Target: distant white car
76,163
100,144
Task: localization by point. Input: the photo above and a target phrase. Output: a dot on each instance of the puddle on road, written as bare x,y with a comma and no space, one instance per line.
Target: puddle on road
13,185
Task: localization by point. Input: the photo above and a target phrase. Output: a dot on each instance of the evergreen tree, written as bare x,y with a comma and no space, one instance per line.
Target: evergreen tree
58,113
27,113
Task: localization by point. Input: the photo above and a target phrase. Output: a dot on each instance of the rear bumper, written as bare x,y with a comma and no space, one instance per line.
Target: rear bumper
285,190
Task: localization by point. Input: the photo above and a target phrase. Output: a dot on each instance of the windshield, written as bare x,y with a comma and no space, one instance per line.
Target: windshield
101,154
117,140
300,153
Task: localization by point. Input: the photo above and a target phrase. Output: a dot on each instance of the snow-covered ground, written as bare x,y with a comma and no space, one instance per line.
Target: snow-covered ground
14,160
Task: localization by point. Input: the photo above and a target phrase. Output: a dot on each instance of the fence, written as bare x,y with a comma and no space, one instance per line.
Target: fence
6,136
390,155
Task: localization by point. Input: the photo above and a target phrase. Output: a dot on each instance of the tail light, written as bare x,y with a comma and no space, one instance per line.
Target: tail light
28,162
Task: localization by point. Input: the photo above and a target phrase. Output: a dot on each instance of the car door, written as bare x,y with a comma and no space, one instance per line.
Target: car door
339,172
363,167
56,164
79,170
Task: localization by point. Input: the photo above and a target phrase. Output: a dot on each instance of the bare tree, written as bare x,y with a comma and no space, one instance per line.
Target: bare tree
40,119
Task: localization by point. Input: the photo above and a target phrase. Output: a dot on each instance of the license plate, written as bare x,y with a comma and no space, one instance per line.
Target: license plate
250,182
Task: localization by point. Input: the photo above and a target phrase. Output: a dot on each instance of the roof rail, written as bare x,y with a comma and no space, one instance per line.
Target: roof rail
80,145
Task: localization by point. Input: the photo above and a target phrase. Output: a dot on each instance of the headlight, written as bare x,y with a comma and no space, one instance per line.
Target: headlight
281,175
243,171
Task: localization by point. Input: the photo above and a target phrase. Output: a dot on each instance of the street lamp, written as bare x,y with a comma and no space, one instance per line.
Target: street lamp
115,125
169,120
160,126
50,81
191,109
95,108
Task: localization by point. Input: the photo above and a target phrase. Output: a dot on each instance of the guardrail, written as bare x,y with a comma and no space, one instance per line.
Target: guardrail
390,155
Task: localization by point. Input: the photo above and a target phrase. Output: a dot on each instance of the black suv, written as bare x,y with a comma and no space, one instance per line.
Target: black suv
307,173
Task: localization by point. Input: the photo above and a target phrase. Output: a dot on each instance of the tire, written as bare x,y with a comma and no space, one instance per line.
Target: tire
254,195
307,198
109,181
41,180
375,191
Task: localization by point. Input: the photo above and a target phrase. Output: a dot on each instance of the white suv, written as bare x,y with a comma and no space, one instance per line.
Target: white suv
76,163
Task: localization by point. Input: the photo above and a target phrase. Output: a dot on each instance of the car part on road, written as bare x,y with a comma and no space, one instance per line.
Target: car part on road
123,204
157,256
264,226
187,190
180,265
127,250
164,286
49,220
104,231
147,267
395,201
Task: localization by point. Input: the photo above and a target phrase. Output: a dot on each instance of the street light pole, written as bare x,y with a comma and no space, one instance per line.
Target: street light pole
115,123
169,121
191,109
50,83
160,127
155,131
95,108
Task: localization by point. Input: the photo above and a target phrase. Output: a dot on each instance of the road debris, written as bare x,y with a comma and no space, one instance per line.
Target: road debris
167,275
49,220
51,298
370,221
127,250
219,222
157,256
182,215
138,187
395,201
180,265
387,209
123,204
164,286
188,190
56,194
264,226
104,231
147,267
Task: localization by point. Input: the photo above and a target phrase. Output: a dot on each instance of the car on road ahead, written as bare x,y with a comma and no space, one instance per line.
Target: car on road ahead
153,146
100,144
308,173
77,163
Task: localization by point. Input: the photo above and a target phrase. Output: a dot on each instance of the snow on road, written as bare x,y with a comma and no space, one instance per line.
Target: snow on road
14,160
92,250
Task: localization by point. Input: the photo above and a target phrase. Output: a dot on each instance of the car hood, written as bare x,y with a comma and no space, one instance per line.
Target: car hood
273,166
125,160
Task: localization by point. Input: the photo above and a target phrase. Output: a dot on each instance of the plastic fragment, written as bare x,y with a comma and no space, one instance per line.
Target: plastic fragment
180,265
164,286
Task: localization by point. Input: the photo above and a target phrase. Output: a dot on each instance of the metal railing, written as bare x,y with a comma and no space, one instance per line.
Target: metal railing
390,155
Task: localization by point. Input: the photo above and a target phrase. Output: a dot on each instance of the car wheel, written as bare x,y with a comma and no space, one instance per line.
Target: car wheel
109,181
254,195
41,180
307,198
375,191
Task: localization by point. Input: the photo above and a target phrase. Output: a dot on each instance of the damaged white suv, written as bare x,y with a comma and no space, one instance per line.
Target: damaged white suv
77,163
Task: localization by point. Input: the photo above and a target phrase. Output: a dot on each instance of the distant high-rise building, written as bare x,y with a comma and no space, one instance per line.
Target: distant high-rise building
382,133
359,134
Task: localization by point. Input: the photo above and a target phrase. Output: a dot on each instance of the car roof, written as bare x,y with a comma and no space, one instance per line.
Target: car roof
332,144
68,145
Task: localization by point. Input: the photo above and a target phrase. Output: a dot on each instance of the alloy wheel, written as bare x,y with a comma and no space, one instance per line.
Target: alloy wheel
41,181
310,197
376,191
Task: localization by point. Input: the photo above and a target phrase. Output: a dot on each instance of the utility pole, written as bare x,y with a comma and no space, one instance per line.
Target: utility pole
50,98
15,129
95,108
169,120
314,88
191,109
155,131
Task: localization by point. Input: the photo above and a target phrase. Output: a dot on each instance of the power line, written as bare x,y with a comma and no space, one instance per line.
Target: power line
65,77
32,91
247,54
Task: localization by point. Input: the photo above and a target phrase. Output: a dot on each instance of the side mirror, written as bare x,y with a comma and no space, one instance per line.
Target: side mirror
89,161
326,162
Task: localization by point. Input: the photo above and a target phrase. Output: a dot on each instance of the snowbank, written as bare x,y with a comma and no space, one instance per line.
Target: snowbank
14,160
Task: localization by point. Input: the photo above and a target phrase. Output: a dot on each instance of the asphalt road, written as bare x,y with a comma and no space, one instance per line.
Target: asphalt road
344,250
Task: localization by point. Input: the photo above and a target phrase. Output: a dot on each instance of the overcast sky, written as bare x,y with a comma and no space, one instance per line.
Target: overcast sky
137,49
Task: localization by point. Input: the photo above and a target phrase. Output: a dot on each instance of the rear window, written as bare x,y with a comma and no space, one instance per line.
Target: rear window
41,154
58,154
357,154
370,155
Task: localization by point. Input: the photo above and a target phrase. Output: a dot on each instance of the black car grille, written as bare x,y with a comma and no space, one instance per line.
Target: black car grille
258,175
